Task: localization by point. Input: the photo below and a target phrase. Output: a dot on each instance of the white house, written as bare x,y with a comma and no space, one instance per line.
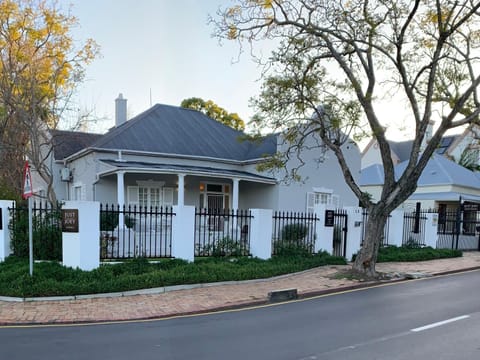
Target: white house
443,184
170,155
451,146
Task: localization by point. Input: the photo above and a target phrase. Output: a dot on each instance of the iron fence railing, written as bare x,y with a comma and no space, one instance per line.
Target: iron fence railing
135,231
414,228
293,230
46,230
222,232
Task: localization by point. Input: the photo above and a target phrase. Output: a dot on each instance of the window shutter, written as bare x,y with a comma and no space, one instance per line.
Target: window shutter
132,195
310,202
167,196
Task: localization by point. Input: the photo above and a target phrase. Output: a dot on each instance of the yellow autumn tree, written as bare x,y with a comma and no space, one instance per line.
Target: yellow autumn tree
40,66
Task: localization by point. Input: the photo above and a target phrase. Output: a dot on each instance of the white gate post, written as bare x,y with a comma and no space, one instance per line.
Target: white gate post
81,234
354,230
324,234
431,233
261,233
183,233
395,228
4,231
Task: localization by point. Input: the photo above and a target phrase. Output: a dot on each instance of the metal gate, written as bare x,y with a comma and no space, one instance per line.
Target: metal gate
340,218
459,228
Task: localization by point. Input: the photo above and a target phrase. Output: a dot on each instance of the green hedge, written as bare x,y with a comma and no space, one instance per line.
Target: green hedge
52,279
406,253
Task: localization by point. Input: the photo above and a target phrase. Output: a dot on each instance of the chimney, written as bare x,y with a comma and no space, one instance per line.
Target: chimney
120,110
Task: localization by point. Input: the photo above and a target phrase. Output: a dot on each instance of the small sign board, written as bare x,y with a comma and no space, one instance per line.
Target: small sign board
27,181
70,220
329,218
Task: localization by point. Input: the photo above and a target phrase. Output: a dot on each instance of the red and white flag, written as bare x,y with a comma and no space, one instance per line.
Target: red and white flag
27,181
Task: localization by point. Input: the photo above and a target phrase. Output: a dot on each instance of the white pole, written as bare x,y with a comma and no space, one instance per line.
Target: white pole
30,235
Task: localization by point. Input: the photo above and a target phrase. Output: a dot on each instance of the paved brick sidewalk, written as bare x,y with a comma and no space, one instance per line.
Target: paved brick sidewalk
208,297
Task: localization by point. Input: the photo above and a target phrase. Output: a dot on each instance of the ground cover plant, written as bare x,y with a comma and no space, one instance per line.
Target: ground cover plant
52,279
413,253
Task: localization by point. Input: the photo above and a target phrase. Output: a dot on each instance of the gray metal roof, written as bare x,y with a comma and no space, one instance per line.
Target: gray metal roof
66,143
438,171
197,170
174,130
403,149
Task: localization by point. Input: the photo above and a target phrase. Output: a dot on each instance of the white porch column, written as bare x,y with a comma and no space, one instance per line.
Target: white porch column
181,190
235,194
120,196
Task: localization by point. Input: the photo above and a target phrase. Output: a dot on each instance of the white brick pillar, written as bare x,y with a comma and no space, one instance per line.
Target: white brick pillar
324,234
81,246
354,230
431,234
395,228
183,232
4,231
261,233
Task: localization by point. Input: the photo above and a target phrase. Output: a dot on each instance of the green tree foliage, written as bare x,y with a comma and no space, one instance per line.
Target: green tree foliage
214,111
338,61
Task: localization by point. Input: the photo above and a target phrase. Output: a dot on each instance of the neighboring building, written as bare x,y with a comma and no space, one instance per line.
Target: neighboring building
451,146
443,184
171,155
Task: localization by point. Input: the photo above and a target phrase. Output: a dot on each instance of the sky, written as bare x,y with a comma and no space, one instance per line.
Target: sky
160,51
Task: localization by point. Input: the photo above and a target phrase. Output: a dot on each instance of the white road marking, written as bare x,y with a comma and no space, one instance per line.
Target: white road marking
440,323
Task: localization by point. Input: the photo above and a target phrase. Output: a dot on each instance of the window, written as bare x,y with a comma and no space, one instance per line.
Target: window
150,194
78,192
321,196
214,196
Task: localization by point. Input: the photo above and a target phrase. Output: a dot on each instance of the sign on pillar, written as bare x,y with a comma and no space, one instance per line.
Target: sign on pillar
81,234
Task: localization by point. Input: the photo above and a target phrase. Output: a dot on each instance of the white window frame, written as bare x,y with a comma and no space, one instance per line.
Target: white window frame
81,192
321,195
151,187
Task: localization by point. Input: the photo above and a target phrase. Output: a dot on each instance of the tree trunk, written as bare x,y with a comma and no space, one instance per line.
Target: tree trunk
367,256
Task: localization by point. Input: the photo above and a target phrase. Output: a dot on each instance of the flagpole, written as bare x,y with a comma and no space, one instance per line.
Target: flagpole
30,235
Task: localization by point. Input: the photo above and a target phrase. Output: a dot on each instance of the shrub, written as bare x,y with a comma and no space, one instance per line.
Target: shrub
46,233
407,253
294,232
225,247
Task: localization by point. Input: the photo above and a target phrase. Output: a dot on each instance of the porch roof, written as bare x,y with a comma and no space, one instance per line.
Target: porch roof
139,166
445,196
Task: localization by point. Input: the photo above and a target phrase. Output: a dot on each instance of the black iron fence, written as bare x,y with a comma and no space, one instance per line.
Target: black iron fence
129,232
46,230
414,228
386,229
293,231
459,229
221,232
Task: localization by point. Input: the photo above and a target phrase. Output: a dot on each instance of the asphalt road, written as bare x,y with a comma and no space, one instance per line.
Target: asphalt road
436,318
